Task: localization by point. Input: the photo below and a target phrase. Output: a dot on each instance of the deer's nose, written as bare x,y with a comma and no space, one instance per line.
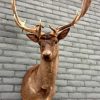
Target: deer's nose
47,53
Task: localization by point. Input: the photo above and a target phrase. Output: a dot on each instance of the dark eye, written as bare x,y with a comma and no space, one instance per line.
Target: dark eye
39,43
55,41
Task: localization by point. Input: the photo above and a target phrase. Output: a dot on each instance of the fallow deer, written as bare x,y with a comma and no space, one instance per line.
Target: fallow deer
39,81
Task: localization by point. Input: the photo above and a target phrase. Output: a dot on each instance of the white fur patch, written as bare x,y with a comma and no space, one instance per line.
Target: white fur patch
47,99
30,86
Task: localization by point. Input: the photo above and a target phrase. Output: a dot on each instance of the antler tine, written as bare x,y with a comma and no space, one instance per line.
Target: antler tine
53,29
40,26
19,22
84,8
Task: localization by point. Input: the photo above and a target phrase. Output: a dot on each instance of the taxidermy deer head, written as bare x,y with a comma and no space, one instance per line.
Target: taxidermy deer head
39,81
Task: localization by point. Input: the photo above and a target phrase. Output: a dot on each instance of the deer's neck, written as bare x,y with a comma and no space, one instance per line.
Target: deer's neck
47,72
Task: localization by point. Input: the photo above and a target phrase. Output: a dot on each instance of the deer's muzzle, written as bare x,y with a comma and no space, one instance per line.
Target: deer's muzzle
47,55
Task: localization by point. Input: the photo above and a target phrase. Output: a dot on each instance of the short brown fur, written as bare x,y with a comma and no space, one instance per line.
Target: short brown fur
39,81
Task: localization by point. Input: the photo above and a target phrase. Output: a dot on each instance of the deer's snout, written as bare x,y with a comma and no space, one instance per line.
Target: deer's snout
47,54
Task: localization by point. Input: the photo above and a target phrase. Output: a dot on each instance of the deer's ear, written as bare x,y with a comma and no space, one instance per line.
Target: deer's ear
33,37
63,34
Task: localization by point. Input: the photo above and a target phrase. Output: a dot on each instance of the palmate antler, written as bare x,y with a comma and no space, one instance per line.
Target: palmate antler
21,24
84,8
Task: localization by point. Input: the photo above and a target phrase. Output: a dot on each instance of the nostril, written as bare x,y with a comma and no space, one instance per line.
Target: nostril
46,54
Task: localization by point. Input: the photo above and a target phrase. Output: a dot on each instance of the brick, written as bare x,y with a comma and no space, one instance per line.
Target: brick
20,74
17,88
73,49
59,96
15,41
6,59
93,47
14,53
12,80
93,95
81,66
2,16
96,89
95,67
10,96
25,61
89,61
7,34
96,57
5,1
80,55
40,3
15,67
90,72
62,70
65,53
49,1
4,73
92,84
83,77
75,83
8,46
1,66
51,6
80,45
70,60
1,52
27,49
66,89
77,95
66,65
85,89
61,82
5,88
74,71
66,76
96,78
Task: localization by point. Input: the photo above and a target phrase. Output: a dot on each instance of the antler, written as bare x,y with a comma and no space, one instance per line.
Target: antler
84,8
21,24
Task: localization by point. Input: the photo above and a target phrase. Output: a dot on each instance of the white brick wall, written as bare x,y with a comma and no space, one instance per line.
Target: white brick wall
79,68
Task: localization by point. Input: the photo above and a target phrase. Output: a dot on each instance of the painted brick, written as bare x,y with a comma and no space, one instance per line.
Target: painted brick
78,74
59,96
66,89
75,71
61,83
10,96
77,95
85,89
12,80
92,84
5,88
76,83
6,73
15,67
93,95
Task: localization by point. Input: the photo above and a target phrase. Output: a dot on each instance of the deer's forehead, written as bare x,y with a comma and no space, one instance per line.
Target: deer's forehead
48,37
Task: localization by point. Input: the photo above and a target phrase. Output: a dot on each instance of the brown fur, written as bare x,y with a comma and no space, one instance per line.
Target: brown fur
39,81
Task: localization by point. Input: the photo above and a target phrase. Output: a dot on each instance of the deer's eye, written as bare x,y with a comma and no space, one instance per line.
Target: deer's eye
42,44
55,41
